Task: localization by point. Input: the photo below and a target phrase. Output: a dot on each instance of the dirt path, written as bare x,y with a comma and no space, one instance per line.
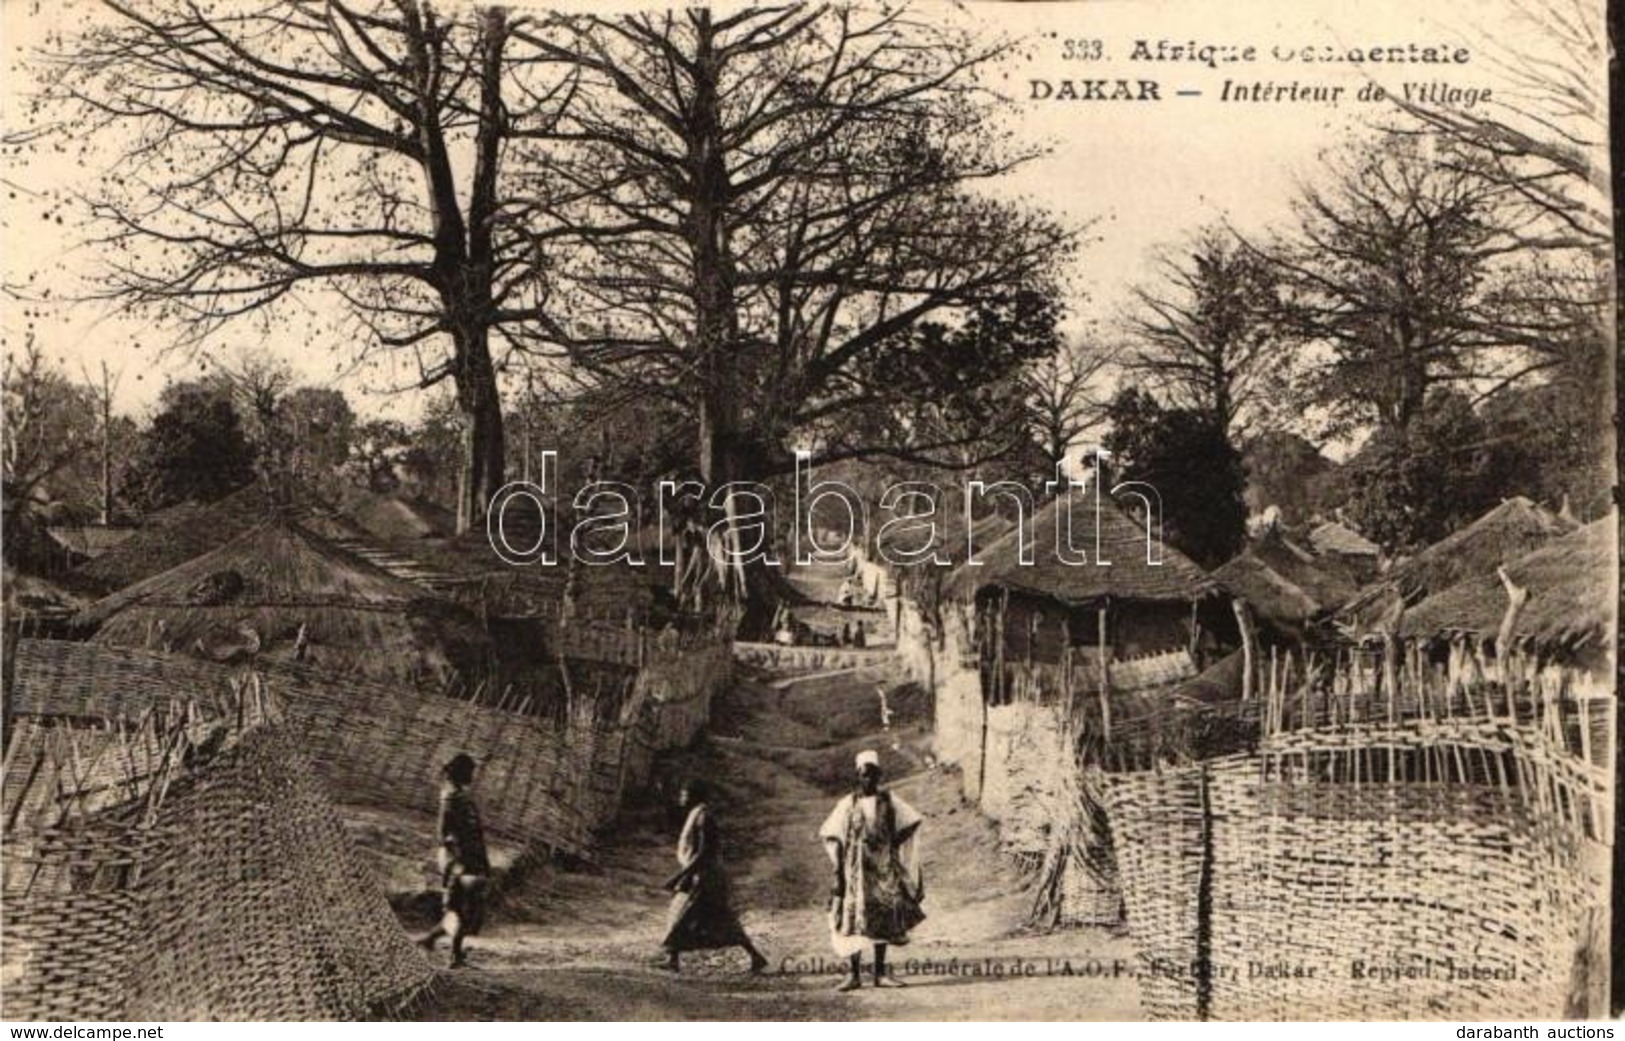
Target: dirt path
582,944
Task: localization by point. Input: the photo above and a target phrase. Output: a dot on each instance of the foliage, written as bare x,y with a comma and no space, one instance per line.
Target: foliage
1189,460
1542,140
1284,470
194,449
1554,437
1413,486
50,427
955,395
824,160
361,155
1064,399
50,423
1207,335
1396,277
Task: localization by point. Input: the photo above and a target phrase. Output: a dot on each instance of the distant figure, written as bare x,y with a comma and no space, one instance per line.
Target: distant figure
701,916
785,633
465,869
859,637
872,840
846,634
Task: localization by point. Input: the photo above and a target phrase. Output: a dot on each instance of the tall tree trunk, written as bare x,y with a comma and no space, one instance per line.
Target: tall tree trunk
107,448
484,449
464,266
715,307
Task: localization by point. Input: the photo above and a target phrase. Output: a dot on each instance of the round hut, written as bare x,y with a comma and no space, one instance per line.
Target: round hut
176,534
1567,619
278,590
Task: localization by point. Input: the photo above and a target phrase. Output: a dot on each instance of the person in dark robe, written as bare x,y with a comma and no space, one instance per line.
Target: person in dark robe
701,916
465,867
872,840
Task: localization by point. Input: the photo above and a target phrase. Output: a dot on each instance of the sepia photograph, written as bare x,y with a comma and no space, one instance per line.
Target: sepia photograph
901,510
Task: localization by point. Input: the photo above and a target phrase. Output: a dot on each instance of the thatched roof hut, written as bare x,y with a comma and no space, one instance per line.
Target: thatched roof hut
1336,538
1505,533
1285,584
187,530
1572,593
1133,598
484,583
89,541
1124,569
390,517
30,596
279,590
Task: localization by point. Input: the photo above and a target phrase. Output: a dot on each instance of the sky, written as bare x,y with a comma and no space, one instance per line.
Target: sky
1138,175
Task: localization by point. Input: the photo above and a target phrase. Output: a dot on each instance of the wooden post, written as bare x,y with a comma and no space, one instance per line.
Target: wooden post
1105,675
1517,596
1244,621
1204,903
1066,663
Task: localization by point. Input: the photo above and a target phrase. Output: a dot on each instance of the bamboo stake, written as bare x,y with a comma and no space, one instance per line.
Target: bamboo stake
1105,675
1244,622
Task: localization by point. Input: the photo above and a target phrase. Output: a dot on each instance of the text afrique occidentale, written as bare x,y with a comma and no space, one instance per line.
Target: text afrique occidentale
1217,55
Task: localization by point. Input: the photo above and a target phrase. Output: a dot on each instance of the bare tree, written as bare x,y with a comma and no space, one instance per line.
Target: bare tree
103,389
1402,275
769,200
1065,397
1206,335
49,424
257,381
1542,137
283,147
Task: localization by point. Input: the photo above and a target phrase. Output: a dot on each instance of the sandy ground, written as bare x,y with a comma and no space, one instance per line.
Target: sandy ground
581,944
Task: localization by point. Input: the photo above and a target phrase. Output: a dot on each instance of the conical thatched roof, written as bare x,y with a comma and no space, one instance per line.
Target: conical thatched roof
487,584
1129,574
390,517
1503,534
188,530
951,526
1285,583
26,594
255,593
1572,593
1334,537
89,541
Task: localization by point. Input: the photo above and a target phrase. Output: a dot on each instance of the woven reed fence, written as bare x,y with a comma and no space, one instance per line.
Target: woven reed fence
778,656
191,867
1077,880
1441,866
671,705
542,781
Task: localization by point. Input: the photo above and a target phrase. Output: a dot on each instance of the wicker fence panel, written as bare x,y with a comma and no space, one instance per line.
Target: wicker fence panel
228,891
543,782
1091,893
1274,885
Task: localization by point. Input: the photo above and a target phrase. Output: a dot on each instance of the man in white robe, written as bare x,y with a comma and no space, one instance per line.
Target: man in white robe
872,838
